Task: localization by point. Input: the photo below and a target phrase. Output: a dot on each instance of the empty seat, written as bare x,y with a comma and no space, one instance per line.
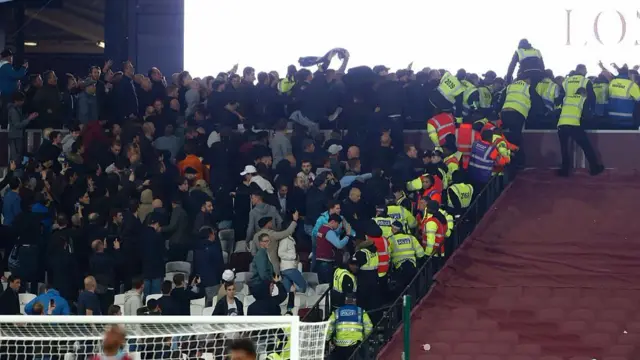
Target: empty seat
501,302
560,302
620,350
195,310
208,311
582,314
590,302
225,257
227,238
617,315
119,300
507,337
322,288
248,300
26,298
622,304
456,324
200,301
527,349
573,327
529,302
178,266
311,278
488,357
467,348
241,246
484,324
448,336
496,348
465,313
535,291
243,277
152,296
554,314
609,327
440,348
475,336
598,339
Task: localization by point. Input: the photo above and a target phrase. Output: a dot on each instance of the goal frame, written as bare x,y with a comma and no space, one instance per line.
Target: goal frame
292,321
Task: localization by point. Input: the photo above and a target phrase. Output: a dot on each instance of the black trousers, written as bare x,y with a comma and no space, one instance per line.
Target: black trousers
343,352
514,122
576,133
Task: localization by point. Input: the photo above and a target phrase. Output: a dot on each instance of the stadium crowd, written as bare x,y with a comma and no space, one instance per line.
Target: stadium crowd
146,186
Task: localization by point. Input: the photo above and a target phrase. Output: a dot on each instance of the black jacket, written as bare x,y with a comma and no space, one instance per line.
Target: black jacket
222,308
9,302
153,251
266,304
182,299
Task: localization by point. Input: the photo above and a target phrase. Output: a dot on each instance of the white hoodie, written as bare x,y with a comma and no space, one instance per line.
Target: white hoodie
287,254
132,302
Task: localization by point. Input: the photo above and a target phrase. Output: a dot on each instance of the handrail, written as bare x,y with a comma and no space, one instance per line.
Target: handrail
386,327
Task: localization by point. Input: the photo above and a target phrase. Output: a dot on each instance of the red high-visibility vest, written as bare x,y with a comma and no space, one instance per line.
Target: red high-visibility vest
444,123
382,245
465,136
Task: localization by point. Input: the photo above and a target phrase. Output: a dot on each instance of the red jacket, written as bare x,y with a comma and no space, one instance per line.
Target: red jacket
93,133
465,137
444,123
382,245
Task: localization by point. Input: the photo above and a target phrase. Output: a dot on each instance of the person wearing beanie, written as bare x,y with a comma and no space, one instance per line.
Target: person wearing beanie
259,211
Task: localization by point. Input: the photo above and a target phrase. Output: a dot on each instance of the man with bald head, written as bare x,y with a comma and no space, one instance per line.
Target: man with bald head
88,302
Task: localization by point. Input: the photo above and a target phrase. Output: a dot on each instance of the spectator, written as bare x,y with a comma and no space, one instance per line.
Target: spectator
48,102
269,295
166,302
261,210
50,299
115,310
103,266
204,217
8,75
289,260
229,305
168,142
153,251
209,262
88,108
9,299
266,226
133,297
11,203
178,231
280,143
182,295
261,268
88,301
17,125
146,207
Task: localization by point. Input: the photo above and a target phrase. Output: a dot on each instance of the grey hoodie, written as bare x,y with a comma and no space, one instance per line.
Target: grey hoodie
67,142
258,212
132,302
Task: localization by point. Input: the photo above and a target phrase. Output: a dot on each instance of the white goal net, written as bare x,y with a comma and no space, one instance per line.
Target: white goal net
159,337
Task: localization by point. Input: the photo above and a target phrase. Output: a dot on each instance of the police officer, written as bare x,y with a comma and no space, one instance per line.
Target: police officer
348,326
401,214
344,282
366,256
406,254
383,220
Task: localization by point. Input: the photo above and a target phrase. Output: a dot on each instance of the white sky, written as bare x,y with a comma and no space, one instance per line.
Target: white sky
450,34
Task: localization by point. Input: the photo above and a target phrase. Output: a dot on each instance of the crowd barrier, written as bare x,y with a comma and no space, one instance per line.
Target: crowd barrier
420,285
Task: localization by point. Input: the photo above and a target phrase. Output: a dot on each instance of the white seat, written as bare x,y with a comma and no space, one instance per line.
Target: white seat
227,235
240,297
134,356
26,298
241,246
196,310
207,356
321,288
312,300
243,277
169,275
300,300
178,266
225,257
119,300
225,245
311,278
69,356
152,296
208,311
198,301
248,300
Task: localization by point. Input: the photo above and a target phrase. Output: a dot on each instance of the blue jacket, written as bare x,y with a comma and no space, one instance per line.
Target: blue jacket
11,207
9,78
209,263
323,219
46,220
62,306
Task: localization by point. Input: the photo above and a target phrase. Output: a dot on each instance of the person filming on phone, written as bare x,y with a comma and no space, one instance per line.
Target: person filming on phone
50,298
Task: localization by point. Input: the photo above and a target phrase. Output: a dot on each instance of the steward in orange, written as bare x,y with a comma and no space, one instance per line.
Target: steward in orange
465,136
430,190
434,230
439,127
374,233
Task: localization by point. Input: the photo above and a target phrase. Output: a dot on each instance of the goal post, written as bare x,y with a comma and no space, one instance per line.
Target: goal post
176,337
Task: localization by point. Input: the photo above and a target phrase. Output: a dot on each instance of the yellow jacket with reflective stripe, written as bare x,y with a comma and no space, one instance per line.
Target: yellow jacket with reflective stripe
285,86
431,232
274,356
548,91
385,225
527,53
602,92
572,110
449,221
349,333
403,247
518,98
469,89
486,97
397,212
500,143
464,193
572,83
339,275
372,260
450,87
